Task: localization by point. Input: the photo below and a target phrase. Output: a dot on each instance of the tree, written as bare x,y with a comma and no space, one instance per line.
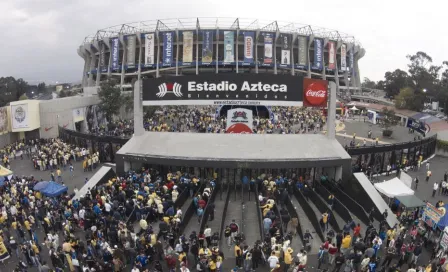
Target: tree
410,99
388,121
423,73
367,83
23,97
41,87
110,98
395,81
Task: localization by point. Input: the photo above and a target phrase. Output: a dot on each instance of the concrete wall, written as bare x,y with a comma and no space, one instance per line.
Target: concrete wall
59,112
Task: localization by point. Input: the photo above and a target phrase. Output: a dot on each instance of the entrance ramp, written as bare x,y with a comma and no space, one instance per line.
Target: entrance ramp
379,204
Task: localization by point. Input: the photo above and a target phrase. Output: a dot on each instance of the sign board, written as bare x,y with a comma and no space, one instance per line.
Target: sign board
432,215
230,89
239,120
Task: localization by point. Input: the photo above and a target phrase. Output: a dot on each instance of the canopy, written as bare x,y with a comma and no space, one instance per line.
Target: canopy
54,189
393,188
41,185
411,201
354,108
5,171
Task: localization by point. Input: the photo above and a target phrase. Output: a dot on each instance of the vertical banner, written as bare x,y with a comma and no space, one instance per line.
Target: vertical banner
130,51
268,40
286,49
3,120
187,52
318,54
207,46
331,55
229,39
102,55
149,49
344,57
248,47
19,116
303,52
115,53
351,59
78,115
168,38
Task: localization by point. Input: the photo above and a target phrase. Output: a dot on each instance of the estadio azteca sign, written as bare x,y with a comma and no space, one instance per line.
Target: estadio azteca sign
225,89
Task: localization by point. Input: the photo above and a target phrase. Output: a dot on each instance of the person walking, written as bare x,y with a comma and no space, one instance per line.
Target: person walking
416,183
435,188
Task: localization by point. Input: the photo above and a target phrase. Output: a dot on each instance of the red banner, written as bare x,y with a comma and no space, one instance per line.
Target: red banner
332,55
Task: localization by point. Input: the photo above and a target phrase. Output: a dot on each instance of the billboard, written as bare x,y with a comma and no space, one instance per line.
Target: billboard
351,59
240,121
303,51
229,39
224,89
187,52
19,116
318,54
102,56
168,39
207,46
286,49
78,115
248,47
115,53
416,125
344,57
130,51
4,128
331,55
268,41
149,49
315,92
432,215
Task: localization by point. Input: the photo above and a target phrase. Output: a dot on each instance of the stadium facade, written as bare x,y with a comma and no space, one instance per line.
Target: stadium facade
173,47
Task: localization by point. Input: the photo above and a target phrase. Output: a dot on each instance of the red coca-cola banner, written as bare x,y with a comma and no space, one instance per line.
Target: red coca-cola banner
315,92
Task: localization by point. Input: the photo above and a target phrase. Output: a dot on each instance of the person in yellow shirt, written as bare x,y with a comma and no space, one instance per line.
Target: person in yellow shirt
346,242
288,257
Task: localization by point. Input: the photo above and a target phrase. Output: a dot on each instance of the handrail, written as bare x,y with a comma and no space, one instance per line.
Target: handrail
292,211
322,207
206,214
243,209
189,212
340,208
260,216
224,212
309,213
389,147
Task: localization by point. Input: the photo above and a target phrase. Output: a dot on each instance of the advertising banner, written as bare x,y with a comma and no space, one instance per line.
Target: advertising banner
78,115
115,53
431,215
4,120
303,51
19,116
351,59
207,46
249,47
318,54
102,55
240,121
286,49
268,41
149,49
229,39
344,57
187,55
416,125
331,55
315,92
130,51
168,39
224,89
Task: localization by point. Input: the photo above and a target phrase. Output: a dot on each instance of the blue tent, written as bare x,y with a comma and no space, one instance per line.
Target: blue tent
54,189
443,222
2,181
41,185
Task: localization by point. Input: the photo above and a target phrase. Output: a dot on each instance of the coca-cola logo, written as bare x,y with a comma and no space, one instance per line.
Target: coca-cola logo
239,128
314,92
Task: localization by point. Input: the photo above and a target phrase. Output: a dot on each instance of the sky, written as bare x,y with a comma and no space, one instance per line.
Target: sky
40,38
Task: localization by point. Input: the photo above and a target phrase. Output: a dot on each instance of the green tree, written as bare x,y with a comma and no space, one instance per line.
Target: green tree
110,97
395,81
410,99
367,83
41,87
423,73
389,119
23,97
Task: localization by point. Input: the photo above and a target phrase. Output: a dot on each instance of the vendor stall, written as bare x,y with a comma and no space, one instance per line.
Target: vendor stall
54,189
393,188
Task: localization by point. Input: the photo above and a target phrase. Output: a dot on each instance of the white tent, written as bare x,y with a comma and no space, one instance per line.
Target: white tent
394,187
354,108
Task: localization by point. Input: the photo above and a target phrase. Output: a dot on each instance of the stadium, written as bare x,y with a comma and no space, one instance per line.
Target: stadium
173,47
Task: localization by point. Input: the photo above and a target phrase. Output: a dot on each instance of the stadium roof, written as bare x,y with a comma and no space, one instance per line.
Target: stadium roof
234,147
220,23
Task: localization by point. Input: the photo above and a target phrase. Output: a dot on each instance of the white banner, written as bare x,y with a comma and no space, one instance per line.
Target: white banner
149,49
78,115
344,57
19,116
187,46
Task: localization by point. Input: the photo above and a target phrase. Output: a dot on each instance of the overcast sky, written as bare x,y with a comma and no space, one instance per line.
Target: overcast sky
40,38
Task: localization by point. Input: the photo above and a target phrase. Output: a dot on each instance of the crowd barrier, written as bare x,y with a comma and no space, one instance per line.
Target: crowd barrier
243,210
293,213
323,207
191,210
260,216
309,213
356,209
207,211
224,212
337,205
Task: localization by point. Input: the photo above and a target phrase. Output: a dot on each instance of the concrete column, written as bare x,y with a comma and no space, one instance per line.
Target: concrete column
197,50
293,39
331,129
123,60
98,72
92,66
138,109
217,50
256,51
85,70
177,52
140,52
158,54
236,55
338,174
127,166
310,42
324,71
